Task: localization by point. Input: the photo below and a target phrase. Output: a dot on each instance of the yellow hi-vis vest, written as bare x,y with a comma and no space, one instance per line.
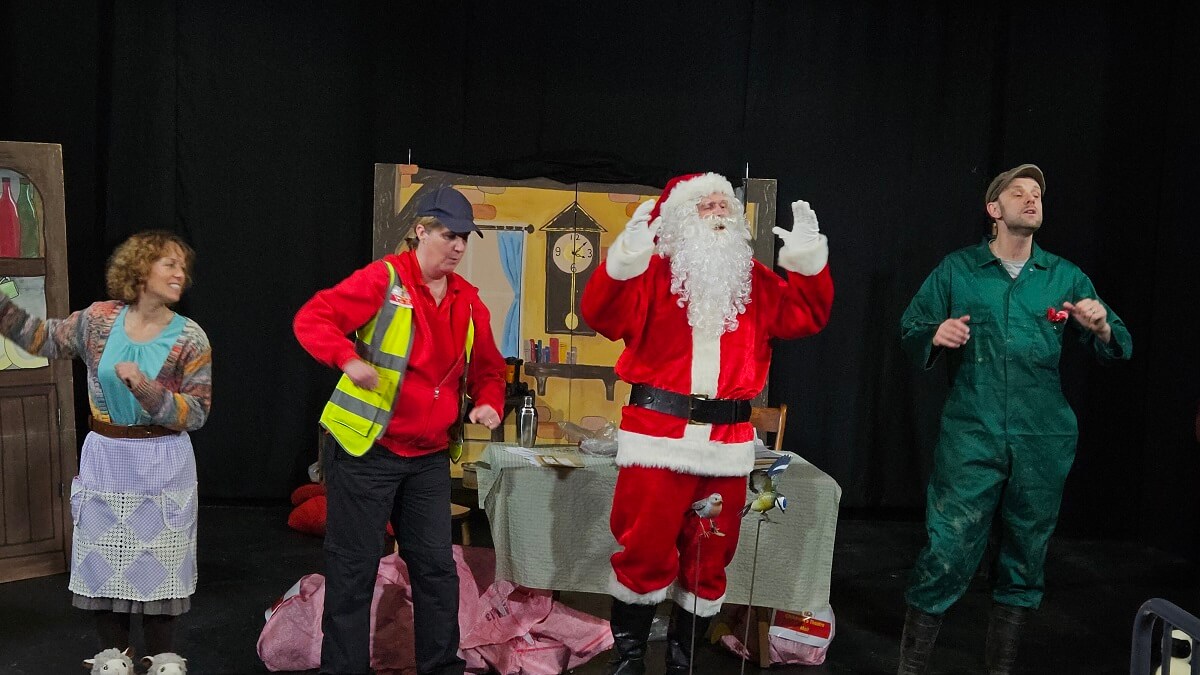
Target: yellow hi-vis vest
357,417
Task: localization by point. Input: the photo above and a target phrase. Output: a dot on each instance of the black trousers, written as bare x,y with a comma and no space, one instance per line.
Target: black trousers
364,493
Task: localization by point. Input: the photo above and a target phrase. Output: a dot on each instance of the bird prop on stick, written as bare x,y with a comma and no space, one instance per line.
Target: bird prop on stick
766,497
763,483
708,509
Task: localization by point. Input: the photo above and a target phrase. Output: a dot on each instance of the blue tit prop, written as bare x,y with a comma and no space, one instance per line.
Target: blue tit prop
779,466
707,509
763,485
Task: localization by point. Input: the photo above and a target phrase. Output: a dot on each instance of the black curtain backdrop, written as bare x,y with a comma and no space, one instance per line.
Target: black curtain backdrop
251,127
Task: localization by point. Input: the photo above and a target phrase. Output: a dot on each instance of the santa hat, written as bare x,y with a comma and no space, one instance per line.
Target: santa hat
683,189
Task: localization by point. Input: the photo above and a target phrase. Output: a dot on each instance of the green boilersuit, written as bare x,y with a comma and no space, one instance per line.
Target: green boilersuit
1008,436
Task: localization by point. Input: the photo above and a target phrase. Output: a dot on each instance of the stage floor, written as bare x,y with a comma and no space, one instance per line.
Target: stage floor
248,557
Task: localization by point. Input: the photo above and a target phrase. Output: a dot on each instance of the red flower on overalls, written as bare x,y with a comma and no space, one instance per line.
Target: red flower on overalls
1057,315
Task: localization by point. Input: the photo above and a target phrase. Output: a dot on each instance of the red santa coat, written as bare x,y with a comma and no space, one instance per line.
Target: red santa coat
629,298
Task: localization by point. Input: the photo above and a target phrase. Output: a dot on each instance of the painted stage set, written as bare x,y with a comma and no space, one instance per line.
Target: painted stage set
826,594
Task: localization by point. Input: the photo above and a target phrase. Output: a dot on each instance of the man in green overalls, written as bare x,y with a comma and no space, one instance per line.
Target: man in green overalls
998,311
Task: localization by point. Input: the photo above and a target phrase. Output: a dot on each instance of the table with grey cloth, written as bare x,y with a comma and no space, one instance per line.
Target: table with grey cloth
550,529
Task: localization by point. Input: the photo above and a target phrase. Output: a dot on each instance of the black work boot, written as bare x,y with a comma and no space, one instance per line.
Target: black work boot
630,626
680,639
1005,623
916,645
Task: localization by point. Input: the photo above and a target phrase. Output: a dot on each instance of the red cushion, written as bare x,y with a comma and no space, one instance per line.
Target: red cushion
306,492
309,517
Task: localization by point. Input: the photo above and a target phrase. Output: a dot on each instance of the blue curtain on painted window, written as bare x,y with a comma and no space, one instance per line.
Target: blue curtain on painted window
512,249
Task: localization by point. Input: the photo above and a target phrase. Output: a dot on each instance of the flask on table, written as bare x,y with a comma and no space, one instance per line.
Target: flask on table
527,423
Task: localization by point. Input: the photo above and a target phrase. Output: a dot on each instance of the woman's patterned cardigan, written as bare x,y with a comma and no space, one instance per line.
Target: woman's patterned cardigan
179,398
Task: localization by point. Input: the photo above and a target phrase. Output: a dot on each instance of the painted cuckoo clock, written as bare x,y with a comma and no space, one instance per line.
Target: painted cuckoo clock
572,254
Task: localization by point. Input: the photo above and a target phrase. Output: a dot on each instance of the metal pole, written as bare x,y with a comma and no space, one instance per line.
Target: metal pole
750,599
695,596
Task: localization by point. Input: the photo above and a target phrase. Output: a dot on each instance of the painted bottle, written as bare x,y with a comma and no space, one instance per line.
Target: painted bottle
10,224
31,233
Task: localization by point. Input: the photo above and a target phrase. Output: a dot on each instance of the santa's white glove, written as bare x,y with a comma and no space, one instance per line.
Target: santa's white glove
639,231
631,253
804,233
804,247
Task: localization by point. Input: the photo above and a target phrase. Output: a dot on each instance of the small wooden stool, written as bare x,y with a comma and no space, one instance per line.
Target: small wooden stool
461,513
760,635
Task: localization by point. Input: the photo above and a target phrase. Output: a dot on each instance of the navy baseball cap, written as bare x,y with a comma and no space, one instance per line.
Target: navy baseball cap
451,209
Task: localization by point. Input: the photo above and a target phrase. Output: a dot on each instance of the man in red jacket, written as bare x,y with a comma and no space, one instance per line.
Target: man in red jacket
697,314
405,477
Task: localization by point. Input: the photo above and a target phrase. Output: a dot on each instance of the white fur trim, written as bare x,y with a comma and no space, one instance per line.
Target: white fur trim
706,364
624,264
698,433
695,188
693,454
701,607
807,261
626,595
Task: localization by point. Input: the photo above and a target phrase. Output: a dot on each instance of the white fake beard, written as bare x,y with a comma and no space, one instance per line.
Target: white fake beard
710,268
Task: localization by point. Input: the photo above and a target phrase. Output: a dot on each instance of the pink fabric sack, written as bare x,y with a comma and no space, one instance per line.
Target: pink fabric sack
525,632
783,651
506,628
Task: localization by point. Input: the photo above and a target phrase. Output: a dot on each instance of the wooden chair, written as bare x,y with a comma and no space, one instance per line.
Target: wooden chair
550,431
547,429
766,421
462,514
593,422
459,513
770,421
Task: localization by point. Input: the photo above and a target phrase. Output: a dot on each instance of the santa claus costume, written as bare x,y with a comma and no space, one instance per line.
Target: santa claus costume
697,315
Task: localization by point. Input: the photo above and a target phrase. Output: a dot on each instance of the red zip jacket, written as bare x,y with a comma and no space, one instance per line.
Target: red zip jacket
428,400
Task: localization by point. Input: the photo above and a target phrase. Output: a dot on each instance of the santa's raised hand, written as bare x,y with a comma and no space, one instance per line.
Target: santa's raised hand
804,247
639,231
631,252
804,232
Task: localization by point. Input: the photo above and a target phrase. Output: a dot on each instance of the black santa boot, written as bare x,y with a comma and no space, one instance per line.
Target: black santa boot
679,639
630,626
1005,624
916,645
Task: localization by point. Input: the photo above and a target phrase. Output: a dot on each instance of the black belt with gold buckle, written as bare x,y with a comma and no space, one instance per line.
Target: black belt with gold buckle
694,409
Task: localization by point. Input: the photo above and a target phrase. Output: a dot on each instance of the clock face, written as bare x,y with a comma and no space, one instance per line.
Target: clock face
572,252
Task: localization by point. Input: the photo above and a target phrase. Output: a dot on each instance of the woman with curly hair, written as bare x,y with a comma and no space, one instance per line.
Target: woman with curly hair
149,377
